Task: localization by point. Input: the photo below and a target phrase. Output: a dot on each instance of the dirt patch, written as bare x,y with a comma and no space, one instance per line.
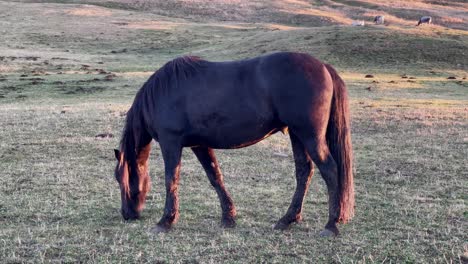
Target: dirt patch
110,77
8,68
10,88
154,25
104,135
167,25
119,51
137,74
92,11
81,89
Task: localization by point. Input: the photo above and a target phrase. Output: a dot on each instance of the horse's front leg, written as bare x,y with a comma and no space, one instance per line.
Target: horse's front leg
208,160
171,152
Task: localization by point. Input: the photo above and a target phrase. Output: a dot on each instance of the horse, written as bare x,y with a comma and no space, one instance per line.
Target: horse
204,105
425,20
379,20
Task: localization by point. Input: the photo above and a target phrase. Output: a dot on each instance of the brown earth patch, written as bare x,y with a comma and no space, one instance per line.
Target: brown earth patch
86,10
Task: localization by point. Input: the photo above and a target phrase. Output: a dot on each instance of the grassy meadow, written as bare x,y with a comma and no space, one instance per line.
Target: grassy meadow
69,71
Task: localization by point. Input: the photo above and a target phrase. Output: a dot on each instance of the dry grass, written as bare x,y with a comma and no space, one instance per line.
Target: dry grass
60,203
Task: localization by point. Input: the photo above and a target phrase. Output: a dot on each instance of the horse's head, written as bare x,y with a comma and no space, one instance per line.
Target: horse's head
134,182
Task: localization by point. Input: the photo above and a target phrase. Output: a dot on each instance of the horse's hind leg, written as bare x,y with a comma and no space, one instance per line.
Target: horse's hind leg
320,154
208,160
304,172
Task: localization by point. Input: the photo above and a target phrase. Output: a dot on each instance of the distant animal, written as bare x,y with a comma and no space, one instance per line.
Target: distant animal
425,20
204,105
379,20
358,23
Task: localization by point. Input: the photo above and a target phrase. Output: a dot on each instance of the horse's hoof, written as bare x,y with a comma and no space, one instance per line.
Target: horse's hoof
327,233
281,226
228,223
160,229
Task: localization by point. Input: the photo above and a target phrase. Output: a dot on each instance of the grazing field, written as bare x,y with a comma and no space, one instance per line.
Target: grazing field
69,71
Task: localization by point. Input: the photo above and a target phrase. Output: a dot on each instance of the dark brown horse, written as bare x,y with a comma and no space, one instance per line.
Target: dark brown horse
205,105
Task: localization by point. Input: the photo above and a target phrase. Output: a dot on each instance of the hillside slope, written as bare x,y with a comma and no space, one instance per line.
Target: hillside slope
450,14
237,29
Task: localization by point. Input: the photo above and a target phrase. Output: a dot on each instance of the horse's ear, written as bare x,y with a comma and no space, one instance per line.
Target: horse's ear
117,154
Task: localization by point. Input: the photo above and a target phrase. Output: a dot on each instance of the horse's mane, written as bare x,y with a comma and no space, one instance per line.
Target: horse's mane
169,74
164,78
181,67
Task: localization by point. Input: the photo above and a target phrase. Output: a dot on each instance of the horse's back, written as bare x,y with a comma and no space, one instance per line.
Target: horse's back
277,76
233,104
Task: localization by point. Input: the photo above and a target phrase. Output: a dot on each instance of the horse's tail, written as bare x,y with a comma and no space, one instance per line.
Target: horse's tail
339,142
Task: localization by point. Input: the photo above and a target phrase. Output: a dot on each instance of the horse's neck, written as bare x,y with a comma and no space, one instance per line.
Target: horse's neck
143,154
140,136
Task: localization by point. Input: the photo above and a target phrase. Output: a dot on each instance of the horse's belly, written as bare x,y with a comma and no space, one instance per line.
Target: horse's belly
230,137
